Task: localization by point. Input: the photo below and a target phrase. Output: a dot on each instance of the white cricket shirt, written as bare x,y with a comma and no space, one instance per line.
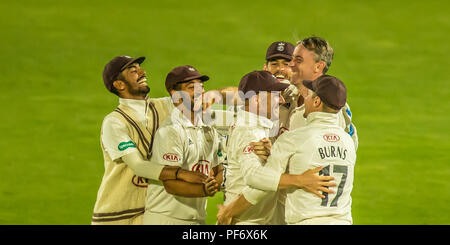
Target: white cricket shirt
344,121
320,143
248,128
115,136
193,147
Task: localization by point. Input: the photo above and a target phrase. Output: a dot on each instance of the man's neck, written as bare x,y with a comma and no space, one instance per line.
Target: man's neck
133,97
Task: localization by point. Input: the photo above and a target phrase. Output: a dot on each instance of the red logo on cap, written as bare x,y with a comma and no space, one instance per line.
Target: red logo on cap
331,137
171,157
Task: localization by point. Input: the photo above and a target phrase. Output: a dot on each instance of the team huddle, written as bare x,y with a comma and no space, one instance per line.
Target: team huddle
282,146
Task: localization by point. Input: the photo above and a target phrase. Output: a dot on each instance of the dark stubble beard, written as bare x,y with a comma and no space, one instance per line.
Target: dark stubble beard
140,91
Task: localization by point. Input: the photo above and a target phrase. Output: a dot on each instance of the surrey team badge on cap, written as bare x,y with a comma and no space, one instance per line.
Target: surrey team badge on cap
280,49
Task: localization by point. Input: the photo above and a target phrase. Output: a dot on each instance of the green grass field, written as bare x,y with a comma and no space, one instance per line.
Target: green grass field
392,55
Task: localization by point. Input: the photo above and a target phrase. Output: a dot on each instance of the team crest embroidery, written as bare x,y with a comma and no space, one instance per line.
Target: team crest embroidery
280,47
247,150
171,157
191,69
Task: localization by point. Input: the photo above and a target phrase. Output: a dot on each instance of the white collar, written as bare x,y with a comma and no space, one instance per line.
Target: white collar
245,118
322,118
139,106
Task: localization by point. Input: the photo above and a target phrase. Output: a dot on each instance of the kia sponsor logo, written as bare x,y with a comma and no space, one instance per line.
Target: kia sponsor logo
247,150
201,166
139,181
171,157
331,137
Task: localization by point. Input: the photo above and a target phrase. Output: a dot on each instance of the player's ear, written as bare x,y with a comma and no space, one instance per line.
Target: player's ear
319,66
119,85
317,102
265,67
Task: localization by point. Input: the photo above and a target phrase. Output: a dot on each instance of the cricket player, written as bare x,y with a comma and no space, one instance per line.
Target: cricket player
321,143
312,58
127,141
261,93
278,56
183,140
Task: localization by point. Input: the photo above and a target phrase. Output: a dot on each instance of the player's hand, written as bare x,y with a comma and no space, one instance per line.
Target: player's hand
191,177
289,93
310,181
223,217
262,148
211,186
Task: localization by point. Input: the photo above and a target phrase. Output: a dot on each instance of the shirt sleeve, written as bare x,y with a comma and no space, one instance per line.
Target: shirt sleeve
275,166
140,167
168,147
253,196
348,125
251,167
115,138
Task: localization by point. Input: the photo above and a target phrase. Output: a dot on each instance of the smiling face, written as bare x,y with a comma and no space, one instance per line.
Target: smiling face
304,65
279,68
132,82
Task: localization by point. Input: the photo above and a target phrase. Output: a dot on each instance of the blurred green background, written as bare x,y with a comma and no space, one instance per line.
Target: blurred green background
392,55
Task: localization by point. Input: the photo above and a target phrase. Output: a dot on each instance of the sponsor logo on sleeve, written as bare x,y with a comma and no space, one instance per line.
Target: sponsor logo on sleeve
125,145
247,150
139,181
331,137
171,157
201,166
